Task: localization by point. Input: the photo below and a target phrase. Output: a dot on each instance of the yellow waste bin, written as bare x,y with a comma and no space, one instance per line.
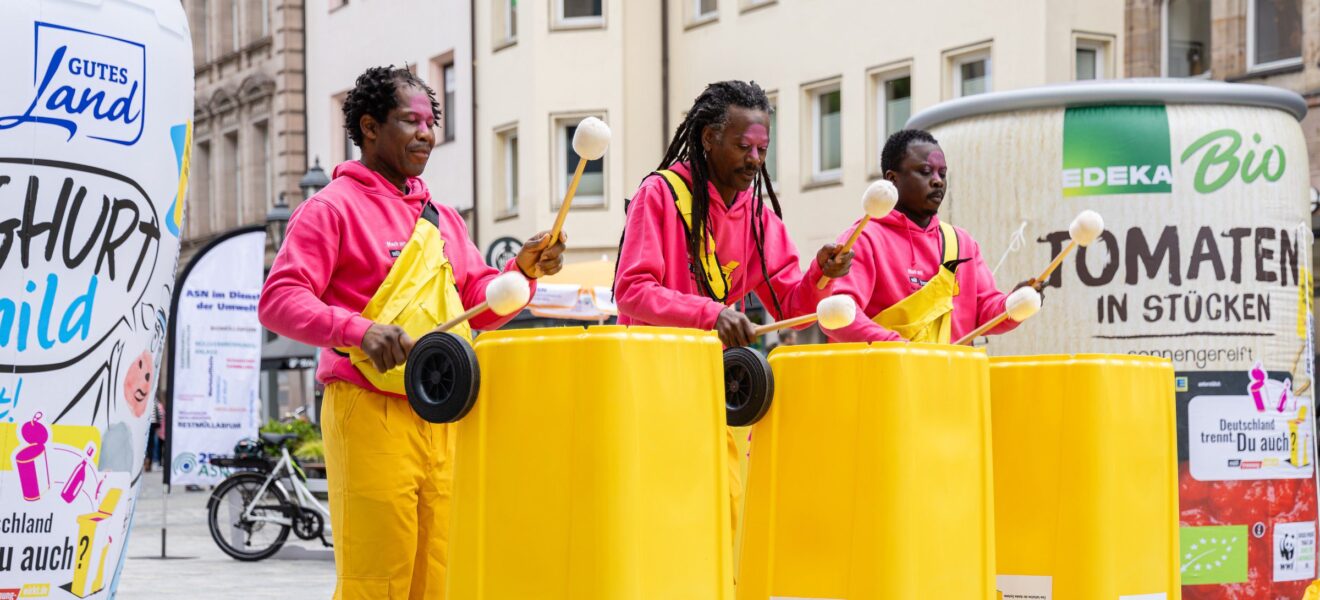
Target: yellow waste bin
870,476
593,465
1086,481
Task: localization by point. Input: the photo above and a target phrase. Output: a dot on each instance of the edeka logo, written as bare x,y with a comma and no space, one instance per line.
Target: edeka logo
1116,150
85,83
1220,163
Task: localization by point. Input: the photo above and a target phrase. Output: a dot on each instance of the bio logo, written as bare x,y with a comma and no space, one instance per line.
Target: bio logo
1219,156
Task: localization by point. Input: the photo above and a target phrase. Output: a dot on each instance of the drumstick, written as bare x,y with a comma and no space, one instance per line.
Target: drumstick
1020,306
589,142
505,294
1084,229
833,312
879,198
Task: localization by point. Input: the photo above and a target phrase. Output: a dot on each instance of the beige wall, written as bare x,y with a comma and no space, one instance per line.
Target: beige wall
786,45
346,40
610,71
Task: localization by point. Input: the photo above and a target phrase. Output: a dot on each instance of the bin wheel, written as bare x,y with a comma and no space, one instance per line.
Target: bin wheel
749,386
442,377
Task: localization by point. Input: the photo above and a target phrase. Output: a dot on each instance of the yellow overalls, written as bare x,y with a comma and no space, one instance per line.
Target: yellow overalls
927,315
390,473
717,277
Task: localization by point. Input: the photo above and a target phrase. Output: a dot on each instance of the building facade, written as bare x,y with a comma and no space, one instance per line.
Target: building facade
249,125
1267,42
430,37
842,76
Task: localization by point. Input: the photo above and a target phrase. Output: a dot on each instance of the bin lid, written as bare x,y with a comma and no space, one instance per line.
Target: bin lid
1113,91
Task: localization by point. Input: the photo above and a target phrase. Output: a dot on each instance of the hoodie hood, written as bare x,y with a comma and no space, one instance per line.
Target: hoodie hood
371,182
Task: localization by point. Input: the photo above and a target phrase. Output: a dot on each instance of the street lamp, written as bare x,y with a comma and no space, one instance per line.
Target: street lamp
313,180
276,220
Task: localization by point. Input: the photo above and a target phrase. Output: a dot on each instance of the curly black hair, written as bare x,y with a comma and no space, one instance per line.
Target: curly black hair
375,93
891,158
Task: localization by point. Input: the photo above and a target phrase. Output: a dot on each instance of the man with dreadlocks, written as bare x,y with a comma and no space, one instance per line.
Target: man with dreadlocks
698,236
917,278
369,263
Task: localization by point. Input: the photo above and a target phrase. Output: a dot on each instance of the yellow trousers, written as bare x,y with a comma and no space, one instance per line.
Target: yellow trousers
391,479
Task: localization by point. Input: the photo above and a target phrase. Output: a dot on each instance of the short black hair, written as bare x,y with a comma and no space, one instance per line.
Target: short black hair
376,93
896,147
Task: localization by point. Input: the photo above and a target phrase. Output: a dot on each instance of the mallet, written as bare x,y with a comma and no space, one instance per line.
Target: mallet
1083,230
589,142
833,312
879,199
505,294
1019,306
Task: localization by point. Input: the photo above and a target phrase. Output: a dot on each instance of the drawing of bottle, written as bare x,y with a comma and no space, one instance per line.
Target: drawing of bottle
1257,387
77,477
31,462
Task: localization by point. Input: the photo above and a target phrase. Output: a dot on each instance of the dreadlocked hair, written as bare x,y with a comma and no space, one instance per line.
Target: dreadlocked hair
891,157
375,93
711,109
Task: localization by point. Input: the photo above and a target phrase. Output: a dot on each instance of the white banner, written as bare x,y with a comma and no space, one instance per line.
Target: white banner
215,375
96,103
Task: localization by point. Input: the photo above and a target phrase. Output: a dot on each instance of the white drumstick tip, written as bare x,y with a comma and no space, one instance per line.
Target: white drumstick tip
835,312
1086,228
508,293
879,199
1022,303
591,138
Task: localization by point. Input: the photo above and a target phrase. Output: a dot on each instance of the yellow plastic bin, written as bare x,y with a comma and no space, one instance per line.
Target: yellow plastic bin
1086,481
870,476
593,466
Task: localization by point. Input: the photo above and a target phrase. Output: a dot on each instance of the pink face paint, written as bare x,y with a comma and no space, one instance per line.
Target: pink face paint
939,168
756,136
421,109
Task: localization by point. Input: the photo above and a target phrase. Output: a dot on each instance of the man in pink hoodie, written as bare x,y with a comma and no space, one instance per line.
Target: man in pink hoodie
389,471
925,280
698,238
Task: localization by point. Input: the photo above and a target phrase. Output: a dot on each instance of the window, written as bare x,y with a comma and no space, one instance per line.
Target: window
255,23
890,105
1274,33
704,10
591,189
506,172
444,79
235,40
772,149
506,22
199,190
201,41
572,14
450,104
1186,38
1091,56
263,185
825,129
233,190
972,76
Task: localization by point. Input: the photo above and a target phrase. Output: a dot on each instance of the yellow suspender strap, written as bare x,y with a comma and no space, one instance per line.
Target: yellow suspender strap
715,277
949,242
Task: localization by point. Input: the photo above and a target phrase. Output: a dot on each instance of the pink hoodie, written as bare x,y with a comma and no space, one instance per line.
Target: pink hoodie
893,251
340,246
654,285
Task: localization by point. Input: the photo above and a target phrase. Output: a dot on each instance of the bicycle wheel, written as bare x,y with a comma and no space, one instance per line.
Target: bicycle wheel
246,538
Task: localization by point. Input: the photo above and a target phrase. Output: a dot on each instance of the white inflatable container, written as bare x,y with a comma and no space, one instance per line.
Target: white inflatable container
96,101
1206,261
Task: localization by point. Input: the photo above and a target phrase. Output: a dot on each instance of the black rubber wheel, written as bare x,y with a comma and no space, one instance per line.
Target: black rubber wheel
749,386
441,377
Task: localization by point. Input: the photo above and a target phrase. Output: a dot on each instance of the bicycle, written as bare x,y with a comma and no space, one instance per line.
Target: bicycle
251,512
